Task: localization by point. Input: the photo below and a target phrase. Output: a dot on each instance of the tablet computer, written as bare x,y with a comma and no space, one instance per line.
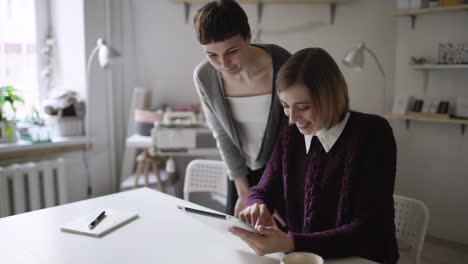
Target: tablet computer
219,221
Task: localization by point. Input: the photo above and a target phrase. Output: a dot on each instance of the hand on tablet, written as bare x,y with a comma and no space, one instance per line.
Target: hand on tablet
269,240
257,214
239,206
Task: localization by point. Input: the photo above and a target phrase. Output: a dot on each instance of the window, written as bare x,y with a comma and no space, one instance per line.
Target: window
18,51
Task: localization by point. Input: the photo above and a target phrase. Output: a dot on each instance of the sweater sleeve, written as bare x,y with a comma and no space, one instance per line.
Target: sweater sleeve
370,228
269,190
230,154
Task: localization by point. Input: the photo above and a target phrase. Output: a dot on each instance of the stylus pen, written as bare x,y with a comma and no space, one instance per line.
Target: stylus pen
196,211
98,219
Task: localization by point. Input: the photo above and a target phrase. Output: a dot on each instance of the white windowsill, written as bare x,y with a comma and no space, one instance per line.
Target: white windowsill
21,145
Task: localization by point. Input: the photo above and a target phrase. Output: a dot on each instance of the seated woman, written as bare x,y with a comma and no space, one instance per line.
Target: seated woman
331,175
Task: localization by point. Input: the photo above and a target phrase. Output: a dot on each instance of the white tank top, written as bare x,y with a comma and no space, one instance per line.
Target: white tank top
250,116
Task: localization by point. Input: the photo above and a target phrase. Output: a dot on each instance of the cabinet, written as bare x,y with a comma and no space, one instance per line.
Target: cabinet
260,3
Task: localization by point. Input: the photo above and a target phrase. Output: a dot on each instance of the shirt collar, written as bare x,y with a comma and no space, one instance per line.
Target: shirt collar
328,137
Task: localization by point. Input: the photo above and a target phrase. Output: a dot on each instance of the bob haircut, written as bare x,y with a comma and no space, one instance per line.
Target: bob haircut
220,20
316,69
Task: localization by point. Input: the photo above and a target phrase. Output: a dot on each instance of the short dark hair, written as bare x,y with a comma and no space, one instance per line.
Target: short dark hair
316,69
220,20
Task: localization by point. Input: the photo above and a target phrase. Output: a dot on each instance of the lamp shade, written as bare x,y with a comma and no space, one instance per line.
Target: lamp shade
106,54
355,58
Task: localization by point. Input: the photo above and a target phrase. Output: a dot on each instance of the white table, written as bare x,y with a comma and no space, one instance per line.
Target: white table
139,141
162,234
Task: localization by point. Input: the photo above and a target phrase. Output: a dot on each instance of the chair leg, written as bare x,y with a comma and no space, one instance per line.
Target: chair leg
161,185
147,168
139,168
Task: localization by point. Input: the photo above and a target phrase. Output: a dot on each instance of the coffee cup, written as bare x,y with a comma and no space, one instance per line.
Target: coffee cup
302,258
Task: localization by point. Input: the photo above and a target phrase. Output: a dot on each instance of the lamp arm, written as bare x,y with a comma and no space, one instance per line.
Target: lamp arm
87,118
88,97
376,60
383,75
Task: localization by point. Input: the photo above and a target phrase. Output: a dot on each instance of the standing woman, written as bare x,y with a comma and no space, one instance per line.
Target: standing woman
236,87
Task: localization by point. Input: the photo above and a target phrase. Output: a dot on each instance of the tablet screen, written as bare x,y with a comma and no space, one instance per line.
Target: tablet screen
218,221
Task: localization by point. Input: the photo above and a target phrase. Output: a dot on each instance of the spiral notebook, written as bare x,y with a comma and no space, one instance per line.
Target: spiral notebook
113,220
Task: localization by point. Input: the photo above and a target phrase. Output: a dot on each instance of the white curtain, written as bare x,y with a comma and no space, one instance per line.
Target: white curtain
18,52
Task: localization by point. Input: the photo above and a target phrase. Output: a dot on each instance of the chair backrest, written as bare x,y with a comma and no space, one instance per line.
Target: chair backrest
205,176
411,219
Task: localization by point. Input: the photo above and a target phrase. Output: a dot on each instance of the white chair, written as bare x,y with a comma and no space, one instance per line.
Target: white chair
411,219
204,176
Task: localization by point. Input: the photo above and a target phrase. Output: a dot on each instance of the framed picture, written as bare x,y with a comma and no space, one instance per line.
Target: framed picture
461,108
402,104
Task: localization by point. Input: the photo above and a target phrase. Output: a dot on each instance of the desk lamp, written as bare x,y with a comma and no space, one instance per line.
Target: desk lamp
355,60
106,55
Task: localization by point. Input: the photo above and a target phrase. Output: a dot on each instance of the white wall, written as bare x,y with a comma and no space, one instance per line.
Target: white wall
165,51
69,55
69,73
77,25
432,157
100,156
160,51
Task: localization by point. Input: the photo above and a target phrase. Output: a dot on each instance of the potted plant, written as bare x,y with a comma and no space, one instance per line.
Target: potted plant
9,95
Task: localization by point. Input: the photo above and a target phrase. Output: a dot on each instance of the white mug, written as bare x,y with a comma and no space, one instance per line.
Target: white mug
302,258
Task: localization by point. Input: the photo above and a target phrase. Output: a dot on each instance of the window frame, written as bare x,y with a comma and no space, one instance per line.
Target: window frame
43,29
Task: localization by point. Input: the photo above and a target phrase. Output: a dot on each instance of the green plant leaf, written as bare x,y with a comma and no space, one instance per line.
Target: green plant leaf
17,98
8,130
11,95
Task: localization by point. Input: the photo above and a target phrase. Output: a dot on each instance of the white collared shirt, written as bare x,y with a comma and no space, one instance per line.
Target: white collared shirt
327,137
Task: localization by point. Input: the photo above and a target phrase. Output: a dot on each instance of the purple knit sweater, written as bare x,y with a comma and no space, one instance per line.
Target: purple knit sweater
336,204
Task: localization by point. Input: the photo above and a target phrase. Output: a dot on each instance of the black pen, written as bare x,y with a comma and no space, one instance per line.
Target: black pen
98,219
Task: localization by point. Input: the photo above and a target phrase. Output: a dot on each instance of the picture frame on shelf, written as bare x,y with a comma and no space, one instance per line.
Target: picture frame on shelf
461,107
402,104
419,3
403,4
430,105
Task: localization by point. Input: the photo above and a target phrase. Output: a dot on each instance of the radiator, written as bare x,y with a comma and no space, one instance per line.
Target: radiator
31,186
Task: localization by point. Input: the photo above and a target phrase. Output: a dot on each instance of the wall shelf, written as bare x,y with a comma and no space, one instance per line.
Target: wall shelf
260,3
268,1
413,12
428,67
440,66
26,149
428,118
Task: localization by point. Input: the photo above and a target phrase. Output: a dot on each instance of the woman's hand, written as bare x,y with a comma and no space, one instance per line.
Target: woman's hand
242,187
257,214
270,240
239,206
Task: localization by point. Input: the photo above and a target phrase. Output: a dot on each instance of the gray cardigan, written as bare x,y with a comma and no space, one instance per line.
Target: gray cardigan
210,89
